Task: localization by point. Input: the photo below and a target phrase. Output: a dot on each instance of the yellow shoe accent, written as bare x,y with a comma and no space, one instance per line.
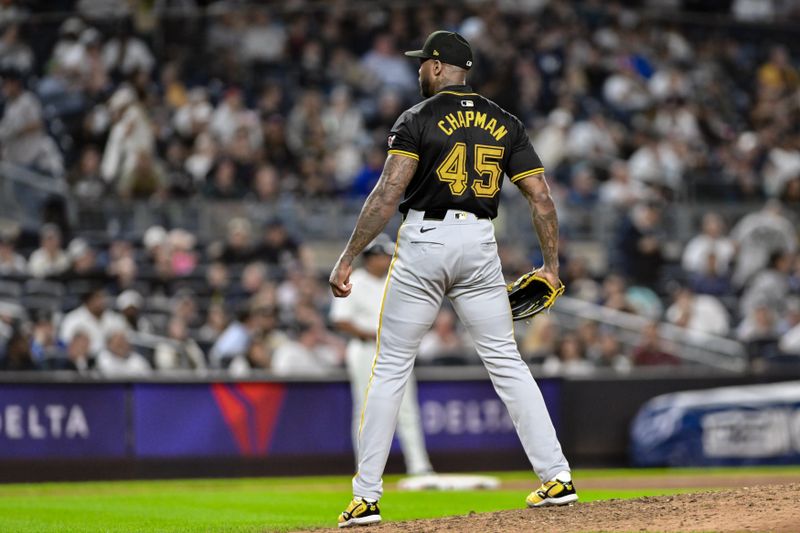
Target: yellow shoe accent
360,513
553,492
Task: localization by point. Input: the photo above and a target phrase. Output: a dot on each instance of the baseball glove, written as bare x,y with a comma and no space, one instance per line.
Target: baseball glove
531,294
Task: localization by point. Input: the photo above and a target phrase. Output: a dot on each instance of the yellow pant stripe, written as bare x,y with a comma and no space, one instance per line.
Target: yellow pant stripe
527,173
378,334
412,155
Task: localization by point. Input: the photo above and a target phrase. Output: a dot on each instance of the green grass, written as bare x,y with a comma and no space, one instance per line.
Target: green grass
258,505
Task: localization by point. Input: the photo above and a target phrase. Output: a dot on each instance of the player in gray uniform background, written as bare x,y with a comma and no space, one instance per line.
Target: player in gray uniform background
357,316
447,156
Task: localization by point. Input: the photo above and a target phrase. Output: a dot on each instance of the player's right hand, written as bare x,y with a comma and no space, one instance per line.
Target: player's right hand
340,279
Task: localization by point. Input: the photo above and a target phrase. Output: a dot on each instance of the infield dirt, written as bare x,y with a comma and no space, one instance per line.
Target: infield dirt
769,507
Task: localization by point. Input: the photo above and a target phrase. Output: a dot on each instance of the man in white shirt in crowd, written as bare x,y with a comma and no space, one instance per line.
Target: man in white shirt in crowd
49,259
94,318
357,316
309,354
118,360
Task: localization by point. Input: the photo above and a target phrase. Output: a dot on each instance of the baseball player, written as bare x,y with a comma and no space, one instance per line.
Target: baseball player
357,316
444,169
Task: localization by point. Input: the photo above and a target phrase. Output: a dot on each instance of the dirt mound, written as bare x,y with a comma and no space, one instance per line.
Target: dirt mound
774,508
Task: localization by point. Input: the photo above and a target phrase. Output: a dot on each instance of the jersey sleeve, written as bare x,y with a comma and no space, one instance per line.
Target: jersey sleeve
523,161
404,137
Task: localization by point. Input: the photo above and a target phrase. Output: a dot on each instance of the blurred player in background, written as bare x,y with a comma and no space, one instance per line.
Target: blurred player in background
357,316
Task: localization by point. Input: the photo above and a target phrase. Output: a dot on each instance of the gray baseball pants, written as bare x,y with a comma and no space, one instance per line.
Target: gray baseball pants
456,257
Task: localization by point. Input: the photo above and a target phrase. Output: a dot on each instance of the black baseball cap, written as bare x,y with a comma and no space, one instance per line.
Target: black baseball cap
446,46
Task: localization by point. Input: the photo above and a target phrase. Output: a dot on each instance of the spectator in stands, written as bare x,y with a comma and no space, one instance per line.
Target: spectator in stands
85,179
540,339
179,351
266,184
118,360
215,324
130,149
757,236
45,345
254,276
569,359
11,263
367,177
612,355
711,241
83,259
237,248
308,354
620,190
182,257
770,286
789,343
235,341
218,282
589,336
23,137
386,68
129,305
94,318
125,54
698,312
637,250
192,118
759,325
49,259
614,295
650,352
279,249
79,356
18,356
14,53
443,344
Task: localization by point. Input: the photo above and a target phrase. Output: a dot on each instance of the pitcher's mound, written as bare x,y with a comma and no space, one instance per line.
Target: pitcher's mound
774,508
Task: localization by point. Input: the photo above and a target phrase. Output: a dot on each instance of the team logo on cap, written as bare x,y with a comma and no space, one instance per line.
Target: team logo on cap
436,52
469,63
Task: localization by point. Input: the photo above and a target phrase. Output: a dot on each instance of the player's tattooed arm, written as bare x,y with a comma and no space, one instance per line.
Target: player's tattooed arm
380,206
545,219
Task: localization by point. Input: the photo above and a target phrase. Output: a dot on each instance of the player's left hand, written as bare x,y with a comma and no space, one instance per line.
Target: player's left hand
340,279
550,275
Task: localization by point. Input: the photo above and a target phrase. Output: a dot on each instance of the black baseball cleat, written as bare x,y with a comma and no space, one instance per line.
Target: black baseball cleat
360,512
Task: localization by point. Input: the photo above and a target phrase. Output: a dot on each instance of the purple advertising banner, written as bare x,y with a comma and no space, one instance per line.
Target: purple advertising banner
62,421
277,419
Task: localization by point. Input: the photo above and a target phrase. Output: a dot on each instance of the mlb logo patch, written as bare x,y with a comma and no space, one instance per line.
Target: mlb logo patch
390,140
467,103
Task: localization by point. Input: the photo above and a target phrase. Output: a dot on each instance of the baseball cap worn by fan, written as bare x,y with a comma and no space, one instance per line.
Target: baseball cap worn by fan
382,244
446,46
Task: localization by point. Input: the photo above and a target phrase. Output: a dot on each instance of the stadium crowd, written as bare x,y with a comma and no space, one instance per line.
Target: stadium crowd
154,102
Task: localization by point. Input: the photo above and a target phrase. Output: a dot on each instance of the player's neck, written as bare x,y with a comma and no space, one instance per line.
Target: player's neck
449,82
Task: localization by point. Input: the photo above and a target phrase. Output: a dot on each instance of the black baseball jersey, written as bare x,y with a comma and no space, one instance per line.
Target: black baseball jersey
464,143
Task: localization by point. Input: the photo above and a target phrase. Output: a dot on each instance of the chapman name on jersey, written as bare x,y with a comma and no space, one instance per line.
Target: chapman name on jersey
471,119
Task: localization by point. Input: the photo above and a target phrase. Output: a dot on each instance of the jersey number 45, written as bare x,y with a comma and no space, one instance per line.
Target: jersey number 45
453,170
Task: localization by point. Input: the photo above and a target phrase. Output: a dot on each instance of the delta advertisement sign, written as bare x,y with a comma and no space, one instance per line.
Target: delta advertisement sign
172,420
49,421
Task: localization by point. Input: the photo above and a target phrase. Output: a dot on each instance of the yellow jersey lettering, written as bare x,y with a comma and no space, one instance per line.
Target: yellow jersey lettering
461,121
480,119
490,126
451,120
500,133
444,128
469,115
